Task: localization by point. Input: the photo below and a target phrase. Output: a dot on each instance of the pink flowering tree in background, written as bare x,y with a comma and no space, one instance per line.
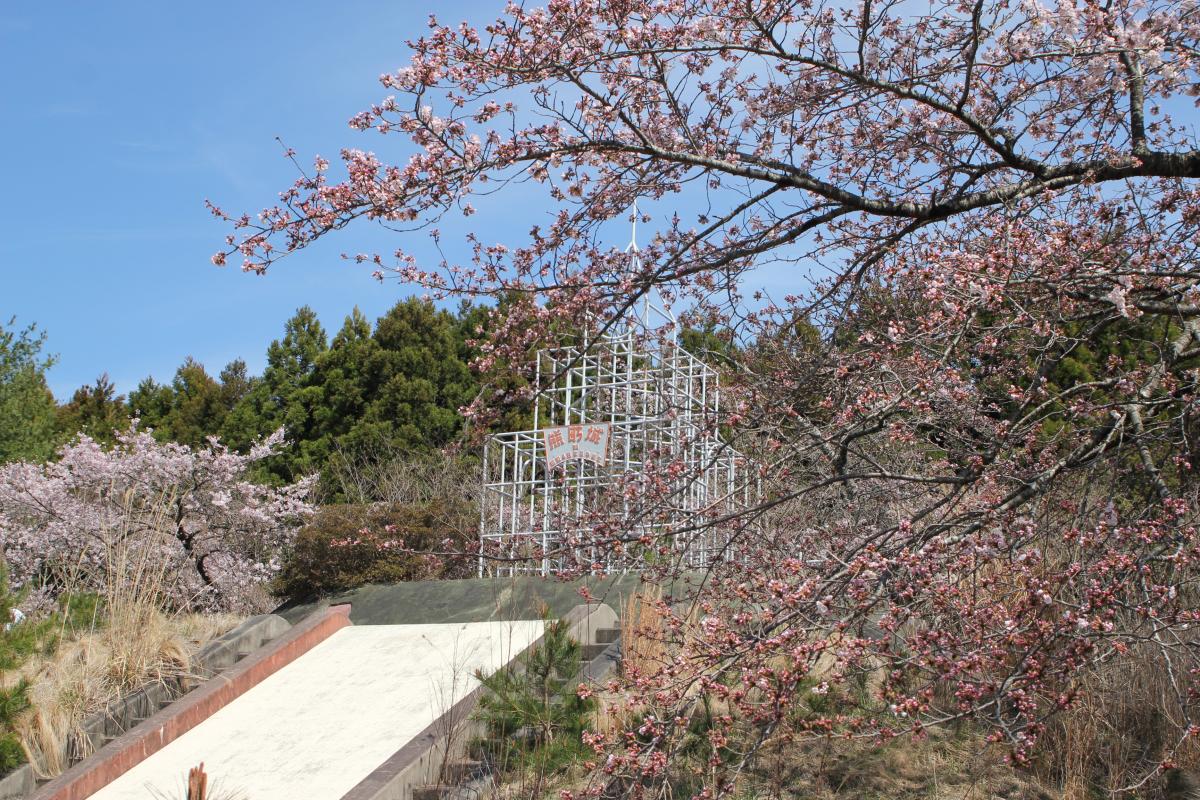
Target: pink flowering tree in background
976,411
65,524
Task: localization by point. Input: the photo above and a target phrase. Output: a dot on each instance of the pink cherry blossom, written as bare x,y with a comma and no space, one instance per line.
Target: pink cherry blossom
62,522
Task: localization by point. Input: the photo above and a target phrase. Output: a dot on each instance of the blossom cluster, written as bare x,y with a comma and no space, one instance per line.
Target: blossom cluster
65,524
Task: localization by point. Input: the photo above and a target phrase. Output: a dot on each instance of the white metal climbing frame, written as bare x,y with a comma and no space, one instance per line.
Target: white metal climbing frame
666,477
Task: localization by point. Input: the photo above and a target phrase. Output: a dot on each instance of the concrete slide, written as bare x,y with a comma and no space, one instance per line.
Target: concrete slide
320,724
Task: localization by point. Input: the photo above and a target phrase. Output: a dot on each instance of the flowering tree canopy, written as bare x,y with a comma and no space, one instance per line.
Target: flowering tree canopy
976,412
62,524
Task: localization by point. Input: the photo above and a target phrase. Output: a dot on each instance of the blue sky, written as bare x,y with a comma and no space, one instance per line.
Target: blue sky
121,118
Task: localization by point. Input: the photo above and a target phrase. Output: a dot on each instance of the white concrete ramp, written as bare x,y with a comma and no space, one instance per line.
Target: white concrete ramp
322,723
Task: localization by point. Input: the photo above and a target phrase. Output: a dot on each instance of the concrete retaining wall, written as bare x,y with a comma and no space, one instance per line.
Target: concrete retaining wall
420,763
18,784
222,653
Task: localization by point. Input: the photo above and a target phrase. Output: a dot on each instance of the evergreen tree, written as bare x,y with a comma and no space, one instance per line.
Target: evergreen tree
236,383
188,410
197,407
397,386
350,375
505,385
532,712
96,410
425,376
286,397
20,640
28,413
150,403
710,344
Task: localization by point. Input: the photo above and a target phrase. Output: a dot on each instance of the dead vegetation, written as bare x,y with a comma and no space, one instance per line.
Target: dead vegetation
86,673
941,766
131,641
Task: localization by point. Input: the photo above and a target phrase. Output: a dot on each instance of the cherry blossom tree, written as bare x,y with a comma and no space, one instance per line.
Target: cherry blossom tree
65,523
979,471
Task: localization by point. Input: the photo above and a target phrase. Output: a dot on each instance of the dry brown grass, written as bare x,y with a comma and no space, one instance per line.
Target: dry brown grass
90,671
643,652
1127,720
946,765
643,649
133,642
943,766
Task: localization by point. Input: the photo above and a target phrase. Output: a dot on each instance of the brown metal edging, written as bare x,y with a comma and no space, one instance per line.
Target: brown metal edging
148,737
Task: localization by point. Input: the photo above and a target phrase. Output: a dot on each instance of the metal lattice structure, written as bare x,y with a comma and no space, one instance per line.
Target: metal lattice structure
661,406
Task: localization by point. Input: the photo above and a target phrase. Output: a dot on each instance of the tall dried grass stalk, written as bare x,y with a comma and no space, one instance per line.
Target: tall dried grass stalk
191,788
643,648
1126,720
132,642
644,651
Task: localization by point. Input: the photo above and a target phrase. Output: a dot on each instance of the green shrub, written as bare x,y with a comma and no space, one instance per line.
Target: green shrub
20,641
12,755
533,717
27,639
13,701
346,546
81,611
23,640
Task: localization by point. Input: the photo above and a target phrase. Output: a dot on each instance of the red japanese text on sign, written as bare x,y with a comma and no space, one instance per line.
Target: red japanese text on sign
587,442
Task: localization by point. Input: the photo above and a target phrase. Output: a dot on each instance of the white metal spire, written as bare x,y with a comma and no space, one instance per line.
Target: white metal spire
652,300
632,247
